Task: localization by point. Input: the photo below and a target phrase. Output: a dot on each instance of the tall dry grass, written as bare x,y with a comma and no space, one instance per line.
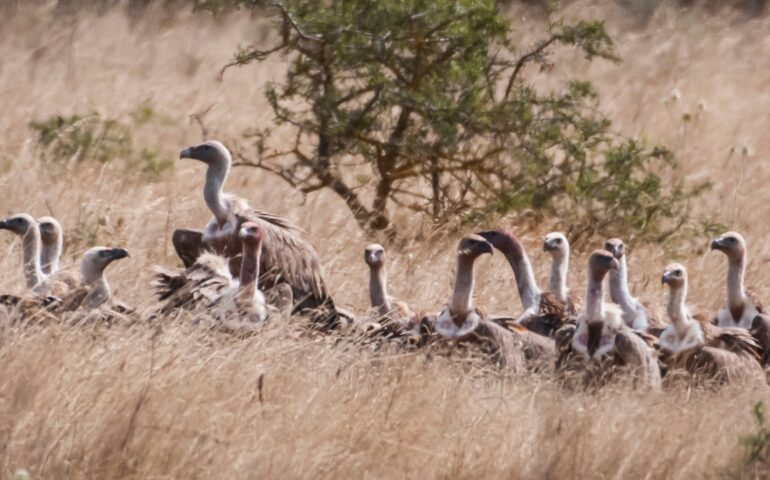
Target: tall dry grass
176,401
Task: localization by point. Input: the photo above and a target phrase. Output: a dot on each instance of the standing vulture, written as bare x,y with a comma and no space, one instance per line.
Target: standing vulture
602,341
742,306
557,245
636,314
286,256
543,313
704,350
208,284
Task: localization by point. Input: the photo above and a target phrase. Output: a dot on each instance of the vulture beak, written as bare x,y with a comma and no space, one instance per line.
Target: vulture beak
717,244
594,337
547,246
665,278
4,225
118,253
186,153
614,265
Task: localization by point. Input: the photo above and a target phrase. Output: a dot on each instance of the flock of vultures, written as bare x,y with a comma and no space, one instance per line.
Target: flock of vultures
247,267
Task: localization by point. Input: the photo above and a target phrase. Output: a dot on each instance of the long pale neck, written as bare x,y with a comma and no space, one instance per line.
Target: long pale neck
558,280
378,290
736,296
677,311
595,297
619,285
49,257
32,271
250,268
461,302
525,279
212,191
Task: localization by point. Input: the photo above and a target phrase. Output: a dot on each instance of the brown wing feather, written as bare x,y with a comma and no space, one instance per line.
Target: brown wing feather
735,340
717,364
634,351
760,330
199,286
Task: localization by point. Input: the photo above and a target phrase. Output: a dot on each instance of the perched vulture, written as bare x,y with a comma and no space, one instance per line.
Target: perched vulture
704,350
52,242
543,313
389,316
557,245
286,256
742,306
602,342
94,291
636,314
208,284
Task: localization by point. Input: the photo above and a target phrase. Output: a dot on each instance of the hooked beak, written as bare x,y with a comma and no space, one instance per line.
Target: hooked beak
665,278
118,253
488,248
186,153
717,244
4,225
547,246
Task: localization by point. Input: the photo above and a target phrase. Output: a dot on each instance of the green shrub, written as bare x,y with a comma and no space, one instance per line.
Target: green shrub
428,101
91,138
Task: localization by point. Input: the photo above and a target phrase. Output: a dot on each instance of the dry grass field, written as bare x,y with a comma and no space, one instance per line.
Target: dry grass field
171,400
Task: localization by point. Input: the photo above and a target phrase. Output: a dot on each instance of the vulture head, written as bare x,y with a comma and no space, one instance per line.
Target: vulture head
19,224
212,153
616,247
731,244
504,241
50,231
675,276
473,246
96,260
374,255
556,244
600,262
250,235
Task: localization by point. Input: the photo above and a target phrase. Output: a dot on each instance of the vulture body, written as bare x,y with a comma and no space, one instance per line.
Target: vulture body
208,285
462,321
636,314
286,256
94,292
742,306
602,343
704,350
543,313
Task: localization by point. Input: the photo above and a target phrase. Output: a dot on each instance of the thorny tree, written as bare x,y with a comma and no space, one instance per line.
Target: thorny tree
423,104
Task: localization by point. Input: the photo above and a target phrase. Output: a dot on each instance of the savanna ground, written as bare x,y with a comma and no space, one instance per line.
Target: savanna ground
174,401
